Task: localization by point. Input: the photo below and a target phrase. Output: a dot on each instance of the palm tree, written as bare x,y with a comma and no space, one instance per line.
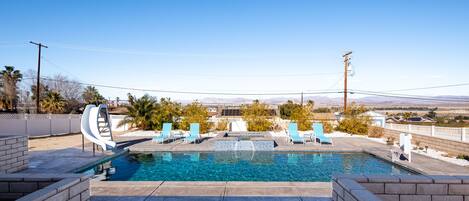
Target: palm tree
53,103
92,96
10,77
140,112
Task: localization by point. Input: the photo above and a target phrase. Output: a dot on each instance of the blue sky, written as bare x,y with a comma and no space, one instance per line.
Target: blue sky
242,45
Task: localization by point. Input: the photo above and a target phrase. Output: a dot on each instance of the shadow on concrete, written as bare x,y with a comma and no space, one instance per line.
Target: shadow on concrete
127,143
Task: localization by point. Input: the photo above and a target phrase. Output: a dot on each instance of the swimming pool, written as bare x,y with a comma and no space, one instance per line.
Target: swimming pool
240,166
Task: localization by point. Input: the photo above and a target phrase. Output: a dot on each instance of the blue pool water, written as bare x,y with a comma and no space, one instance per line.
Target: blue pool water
240,166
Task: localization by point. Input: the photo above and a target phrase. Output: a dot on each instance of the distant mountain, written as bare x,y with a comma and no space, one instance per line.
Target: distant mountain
337,101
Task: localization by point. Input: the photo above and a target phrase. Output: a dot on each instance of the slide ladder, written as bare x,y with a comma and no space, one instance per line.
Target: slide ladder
96,126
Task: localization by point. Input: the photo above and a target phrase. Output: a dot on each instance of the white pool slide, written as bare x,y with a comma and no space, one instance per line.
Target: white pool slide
96,127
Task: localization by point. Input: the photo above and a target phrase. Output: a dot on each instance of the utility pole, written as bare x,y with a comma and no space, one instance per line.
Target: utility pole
40,46
347,58
301,98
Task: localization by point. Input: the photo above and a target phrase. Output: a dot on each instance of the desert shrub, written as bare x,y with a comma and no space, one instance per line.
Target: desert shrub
462,156
257,116
222,125
287,109
303,117
322,110
195,113
354,122
353,126
375,132
327,126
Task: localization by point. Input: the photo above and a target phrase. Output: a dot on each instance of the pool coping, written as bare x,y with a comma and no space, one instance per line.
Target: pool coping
101,160
200,190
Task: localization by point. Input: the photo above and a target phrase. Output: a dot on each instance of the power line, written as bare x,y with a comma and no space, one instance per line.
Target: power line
258,75
189,92
414,98
399,94
166,54
220,75
58,66
430,87
403,96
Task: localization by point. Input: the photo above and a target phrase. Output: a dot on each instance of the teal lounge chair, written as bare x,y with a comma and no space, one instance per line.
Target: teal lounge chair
319,134
194,135
293,133
165,133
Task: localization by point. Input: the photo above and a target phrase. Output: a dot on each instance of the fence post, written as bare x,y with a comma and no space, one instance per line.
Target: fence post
433,131
463,134
409,128
50,123
69,123
26,124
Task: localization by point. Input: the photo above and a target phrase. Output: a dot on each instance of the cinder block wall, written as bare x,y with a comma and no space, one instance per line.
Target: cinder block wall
448,146
13,153
400,188
44,187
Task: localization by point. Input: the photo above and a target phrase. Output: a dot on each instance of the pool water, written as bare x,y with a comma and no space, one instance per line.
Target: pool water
240,166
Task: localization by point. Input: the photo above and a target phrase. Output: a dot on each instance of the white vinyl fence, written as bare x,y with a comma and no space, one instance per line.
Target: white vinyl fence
35,125
457,134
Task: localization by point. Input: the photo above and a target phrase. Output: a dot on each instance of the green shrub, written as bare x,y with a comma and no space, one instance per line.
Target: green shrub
322,110
353,121
195,113
303,117
166,111
353,126
257,116
287,109
140,112
462,156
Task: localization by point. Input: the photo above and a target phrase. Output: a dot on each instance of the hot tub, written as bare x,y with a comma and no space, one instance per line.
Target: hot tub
244,141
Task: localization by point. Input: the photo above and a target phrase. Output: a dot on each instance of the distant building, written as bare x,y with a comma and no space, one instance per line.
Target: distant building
377,119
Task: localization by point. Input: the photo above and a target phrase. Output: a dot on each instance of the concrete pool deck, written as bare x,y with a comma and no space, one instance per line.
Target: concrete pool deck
167,190
64,155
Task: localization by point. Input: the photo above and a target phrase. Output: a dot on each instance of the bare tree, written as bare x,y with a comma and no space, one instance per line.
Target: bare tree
69,89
